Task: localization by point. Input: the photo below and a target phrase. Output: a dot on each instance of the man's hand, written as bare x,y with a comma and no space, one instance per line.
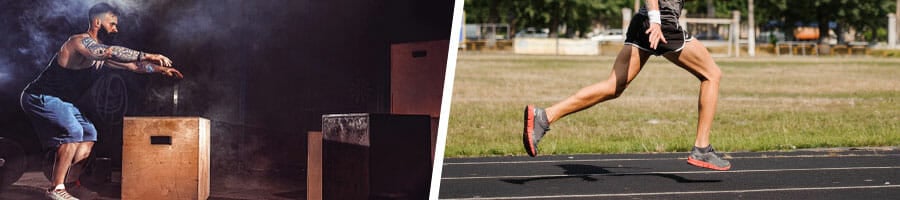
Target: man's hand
656,35
162,60
171,72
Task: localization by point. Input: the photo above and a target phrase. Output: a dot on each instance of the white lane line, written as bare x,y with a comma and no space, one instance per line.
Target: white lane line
689,192
651,159
675,172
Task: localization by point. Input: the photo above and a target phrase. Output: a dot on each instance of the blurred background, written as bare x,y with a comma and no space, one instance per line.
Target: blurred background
799,74
728,28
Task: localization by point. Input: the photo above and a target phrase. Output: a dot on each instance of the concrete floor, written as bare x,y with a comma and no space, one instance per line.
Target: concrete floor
33,184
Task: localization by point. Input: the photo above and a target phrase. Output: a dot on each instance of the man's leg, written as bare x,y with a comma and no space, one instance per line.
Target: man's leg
56,127
82,151
696,59
628,63
89,135
79,164
537,121
65,154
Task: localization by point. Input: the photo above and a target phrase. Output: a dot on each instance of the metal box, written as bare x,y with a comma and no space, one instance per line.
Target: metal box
376,156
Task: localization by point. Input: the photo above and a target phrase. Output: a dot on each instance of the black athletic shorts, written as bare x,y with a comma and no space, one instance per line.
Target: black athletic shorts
672,31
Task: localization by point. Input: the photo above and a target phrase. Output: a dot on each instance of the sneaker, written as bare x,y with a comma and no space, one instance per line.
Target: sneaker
536,125
60,195
708,160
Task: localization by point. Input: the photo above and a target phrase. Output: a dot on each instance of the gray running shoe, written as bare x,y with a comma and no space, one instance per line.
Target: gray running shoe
536,125
708,160
60,195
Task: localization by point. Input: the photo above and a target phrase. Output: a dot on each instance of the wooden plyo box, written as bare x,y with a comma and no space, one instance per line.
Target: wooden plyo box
165,158
417,77
314,165
417,80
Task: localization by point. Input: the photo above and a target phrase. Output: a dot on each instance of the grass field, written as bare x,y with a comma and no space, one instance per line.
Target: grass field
774,103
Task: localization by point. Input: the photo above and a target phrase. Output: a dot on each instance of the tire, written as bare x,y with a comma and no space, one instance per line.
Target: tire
14,163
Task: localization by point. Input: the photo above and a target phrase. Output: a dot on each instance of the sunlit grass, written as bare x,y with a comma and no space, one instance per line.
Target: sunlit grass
765,104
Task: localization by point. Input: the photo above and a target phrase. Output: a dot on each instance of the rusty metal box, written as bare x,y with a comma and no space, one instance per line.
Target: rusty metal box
376,156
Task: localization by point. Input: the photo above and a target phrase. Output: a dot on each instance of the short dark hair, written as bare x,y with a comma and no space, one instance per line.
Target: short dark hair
102,8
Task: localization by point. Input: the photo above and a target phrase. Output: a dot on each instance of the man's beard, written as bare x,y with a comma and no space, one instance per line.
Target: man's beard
106,37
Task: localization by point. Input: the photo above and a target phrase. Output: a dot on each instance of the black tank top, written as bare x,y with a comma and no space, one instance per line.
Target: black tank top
668,9
67,84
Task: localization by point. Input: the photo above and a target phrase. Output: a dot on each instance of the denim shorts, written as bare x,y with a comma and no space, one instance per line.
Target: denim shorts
56,121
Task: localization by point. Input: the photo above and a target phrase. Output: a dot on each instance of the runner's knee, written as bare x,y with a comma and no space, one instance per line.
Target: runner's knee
615,92
711,73
714,75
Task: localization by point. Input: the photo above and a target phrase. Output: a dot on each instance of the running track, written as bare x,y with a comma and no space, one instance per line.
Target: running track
824,174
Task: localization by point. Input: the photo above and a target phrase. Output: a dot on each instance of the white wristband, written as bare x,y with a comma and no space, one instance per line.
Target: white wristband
654,16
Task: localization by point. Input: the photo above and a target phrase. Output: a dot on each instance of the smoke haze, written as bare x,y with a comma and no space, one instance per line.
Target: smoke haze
262,71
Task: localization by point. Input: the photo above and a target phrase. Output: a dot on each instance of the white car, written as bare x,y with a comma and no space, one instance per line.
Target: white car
531,32
609,35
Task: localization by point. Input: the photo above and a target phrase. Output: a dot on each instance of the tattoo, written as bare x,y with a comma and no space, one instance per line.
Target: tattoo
148,67
97,50
117,53
98,64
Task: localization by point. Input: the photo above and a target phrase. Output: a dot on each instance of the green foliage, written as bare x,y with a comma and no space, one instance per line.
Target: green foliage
723,9
578,15
866,16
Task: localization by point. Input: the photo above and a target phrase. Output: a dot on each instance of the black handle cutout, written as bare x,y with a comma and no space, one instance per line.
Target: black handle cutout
163,140
419,54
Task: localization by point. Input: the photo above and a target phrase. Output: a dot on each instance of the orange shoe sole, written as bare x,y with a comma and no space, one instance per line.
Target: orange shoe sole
707,165
529,131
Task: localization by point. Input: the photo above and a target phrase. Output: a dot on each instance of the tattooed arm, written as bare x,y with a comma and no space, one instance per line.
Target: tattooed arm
89,47
144,67
94,50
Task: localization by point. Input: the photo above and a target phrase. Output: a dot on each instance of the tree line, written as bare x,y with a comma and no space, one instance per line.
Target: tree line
577,16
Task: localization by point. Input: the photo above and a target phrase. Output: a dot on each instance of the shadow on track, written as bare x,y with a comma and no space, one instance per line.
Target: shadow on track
588,173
